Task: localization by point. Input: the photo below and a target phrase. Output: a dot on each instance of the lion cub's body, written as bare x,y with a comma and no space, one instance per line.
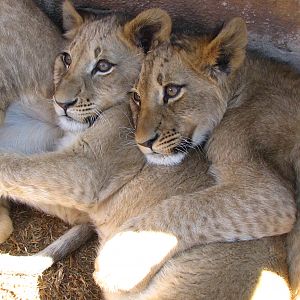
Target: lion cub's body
29,44
214,271
103,174
25,81
27,59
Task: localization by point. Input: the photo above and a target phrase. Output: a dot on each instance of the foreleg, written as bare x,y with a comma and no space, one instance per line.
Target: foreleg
249,208
63,179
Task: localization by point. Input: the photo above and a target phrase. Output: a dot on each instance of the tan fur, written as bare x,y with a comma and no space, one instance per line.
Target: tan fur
252,148
104,174
25,72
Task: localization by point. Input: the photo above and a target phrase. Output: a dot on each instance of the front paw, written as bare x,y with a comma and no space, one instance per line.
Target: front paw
129,258
6,227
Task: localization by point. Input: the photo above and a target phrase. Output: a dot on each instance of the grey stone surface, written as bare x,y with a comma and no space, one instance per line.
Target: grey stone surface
274,25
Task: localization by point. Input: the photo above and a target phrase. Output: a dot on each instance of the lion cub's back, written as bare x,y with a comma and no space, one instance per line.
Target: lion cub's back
29,43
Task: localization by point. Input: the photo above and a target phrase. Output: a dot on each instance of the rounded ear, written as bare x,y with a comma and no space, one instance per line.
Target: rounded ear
226,52
72,20
148,29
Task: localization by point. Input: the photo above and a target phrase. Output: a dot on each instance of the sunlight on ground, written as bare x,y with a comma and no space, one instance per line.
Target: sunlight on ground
13,287
271,286
19,276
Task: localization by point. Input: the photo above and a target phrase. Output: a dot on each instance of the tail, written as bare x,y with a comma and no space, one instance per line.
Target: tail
293,252
36,264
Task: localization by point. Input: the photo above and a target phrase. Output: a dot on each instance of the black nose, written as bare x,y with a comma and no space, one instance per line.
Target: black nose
150,142
66,105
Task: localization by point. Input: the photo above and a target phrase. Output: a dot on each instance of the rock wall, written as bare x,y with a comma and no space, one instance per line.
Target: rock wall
274,25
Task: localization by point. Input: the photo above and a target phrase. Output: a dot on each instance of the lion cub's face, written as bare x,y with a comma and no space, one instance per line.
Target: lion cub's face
94,73
101,63
177,108
178,99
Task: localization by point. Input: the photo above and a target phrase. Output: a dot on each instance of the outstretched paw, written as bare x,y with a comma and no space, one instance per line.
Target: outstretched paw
128,258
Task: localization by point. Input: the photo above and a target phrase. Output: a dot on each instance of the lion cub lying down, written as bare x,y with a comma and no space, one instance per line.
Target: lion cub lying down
193,88
26,85
101,174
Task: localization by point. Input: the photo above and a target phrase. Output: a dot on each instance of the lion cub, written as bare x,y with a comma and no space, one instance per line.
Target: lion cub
196,88
28,48
104,175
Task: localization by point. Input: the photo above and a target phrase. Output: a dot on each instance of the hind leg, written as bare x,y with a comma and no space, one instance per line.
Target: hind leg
6,226
240,271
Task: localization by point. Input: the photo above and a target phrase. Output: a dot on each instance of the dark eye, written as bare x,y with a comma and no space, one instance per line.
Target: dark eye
136,98
66,58
103,66
172,90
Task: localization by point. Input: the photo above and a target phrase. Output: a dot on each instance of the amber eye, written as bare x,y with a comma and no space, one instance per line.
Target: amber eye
103,67
136,98
66,58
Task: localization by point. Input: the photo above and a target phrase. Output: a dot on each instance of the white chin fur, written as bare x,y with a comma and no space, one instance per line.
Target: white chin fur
72,125
166,160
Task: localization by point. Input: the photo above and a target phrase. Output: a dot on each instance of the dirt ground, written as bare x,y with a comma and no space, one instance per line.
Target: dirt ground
68,279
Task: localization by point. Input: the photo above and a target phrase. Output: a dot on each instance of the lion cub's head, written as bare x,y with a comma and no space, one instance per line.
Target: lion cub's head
101,62
181,93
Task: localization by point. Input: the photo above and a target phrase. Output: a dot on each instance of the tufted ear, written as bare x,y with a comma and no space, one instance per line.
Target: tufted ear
72,20
148,29
226,52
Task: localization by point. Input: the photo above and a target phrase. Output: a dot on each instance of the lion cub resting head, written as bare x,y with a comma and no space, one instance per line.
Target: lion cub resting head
101,63
196,88
178,99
